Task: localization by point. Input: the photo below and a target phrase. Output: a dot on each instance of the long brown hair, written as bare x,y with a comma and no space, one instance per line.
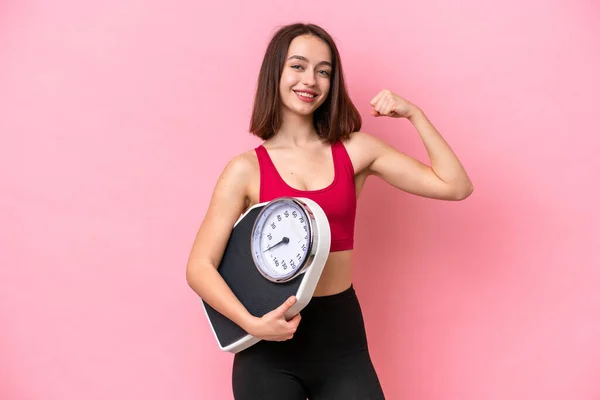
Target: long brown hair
334,120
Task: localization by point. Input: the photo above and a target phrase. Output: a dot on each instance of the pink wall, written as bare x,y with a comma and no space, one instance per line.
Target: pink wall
117,117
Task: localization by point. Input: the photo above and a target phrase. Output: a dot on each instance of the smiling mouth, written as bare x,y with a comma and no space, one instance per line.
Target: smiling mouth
307,95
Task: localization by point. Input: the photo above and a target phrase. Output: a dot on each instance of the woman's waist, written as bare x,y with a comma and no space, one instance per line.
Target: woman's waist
337,274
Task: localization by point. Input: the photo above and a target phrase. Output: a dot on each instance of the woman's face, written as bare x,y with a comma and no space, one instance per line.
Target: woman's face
306,76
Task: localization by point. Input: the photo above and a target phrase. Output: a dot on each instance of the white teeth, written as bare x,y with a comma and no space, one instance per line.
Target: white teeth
310,96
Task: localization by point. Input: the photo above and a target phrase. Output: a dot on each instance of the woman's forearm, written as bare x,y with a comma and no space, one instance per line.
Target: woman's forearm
206,281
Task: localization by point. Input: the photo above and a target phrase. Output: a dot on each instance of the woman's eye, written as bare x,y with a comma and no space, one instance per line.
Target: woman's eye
300,67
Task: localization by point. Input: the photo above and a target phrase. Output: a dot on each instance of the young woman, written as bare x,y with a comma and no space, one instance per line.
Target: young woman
312,148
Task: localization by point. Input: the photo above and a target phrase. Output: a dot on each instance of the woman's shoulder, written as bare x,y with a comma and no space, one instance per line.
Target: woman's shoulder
360,139
361,148
242,165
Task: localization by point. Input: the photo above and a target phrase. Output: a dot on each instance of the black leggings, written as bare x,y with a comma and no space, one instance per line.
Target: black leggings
327,359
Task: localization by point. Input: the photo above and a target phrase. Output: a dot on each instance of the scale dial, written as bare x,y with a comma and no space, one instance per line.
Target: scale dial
283,239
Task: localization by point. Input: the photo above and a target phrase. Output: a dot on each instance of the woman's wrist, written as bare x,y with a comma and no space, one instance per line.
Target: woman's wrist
249,323
414,113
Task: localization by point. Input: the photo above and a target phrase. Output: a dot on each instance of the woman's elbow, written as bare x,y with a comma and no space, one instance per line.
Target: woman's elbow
192,274
463,191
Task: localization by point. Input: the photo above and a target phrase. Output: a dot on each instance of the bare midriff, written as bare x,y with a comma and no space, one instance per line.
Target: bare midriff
337,274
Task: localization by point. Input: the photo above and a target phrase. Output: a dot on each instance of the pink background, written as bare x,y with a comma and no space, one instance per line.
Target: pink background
117,117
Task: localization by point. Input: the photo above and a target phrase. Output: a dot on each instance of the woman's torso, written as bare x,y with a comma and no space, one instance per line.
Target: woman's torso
317,171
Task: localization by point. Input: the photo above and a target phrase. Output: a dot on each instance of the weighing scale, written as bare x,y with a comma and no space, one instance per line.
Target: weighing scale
276,249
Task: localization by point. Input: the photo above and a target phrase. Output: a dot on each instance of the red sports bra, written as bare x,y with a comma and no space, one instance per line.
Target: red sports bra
338,200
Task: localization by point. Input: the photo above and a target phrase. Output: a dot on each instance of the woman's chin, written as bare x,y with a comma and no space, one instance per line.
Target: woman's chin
301,111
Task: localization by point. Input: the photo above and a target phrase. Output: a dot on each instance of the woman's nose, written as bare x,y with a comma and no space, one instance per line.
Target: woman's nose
308,78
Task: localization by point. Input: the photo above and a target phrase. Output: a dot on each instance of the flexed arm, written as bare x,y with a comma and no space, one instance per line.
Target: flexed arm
444,179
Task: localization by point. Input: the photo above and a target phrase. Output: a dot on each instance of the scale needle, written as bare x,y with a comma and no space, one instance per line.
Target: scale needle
282,241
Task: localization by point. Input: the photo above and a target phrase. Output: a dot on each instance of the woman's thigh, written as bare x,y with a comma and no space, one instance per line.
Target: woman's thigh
256,378
351,378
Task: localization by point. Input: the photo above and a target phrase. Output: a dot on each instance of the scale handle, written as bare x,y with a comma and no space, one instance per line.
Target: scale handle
295,309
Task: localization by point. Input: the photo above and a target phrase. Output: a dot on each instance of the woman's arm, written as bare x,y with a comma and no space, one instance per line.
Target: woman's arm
228,201
225,207
445,179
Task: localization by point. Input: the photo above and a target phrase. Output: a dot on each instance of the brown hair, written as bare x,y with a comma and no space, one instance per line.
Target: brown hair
334,120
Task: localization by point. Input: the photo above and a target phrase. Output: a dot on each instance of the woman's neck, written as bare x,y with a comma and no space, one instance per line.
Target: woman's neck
296,131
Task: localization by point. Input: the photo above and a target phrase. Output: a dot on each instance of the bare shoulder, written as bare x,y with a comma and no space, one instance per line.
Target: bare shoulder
363,149
239,171
232,194
240,178
358,139
241,166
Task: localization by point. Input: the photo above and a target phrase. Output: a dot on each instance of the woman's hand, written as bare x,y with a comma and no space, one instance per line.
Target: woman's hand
273,326
389,104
